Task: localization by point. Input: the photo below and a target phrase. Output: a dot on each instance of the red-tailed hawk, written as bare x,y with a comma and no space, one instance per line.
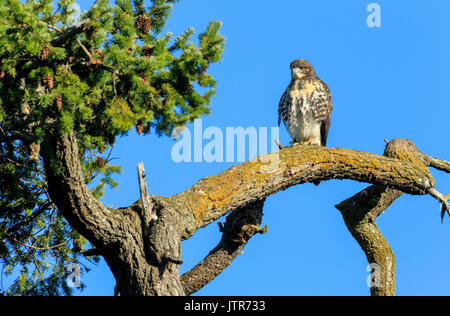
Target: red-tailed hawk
305,106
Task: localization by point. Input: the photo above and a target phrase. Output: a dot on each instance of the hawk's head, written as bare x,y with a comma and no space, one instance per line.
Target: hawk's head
301,68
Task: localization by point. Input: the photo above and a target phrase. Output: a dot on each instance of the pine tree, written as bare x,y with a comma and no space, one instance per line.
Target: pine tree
110,72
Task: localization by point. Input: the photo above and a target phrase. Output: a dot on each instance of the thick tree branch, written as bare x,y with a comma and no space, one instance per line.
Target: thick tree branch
118,234
239,186
405,150
92,252
68,191
70,32
239,227
360,213
361,210
148,263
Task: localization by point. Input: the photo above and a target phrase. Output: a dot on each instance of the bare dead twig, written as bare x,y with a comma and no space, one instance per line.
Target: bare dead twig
438,164
44,248
280,146
86,51
147,208
443,200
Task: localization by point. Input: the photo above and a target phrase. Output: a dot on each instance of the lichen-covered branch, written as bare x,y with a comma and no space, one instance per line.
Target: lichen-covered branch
241,185
361,211
405,150
144,253
139,261
239,227
438,164
73,198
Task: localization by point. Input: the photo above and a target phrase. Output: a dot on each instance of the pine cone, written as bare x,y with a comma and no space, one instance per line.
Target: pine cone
143,23
101,56
139,128
147,51
116,29
100,161
111,140
48,81
44,52
144,79
90,32
100,60
59,102
76,246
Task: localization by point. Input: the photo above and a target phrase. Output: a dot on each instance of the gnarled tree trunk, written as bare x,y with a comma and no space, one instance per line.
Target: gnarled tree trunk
144,251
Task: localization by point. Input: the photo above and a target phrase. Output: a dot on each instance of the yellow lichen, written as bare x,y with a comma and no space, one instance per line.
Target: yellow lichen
219,191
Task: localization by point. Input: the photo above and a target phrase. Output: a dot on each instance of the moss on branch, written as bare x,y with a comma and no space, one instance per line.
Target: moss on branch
214,196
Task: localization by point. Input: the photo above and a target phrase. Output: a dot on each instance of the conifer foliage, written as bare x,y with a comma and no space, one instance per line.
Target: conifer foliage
111,70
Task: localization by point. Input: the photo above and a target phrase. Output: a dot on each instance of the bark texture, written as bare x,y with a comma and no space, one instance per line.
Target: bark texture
142,245
241,185
361,211
239,227
141,266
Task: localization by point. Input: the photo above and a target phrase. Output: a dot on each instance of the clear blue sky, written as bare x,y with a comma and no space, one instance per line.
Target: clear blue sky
388,82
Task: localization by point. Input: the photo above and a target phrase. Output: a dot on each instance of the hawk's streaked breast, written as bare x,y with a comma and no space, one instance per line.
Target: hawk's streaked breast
306,106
